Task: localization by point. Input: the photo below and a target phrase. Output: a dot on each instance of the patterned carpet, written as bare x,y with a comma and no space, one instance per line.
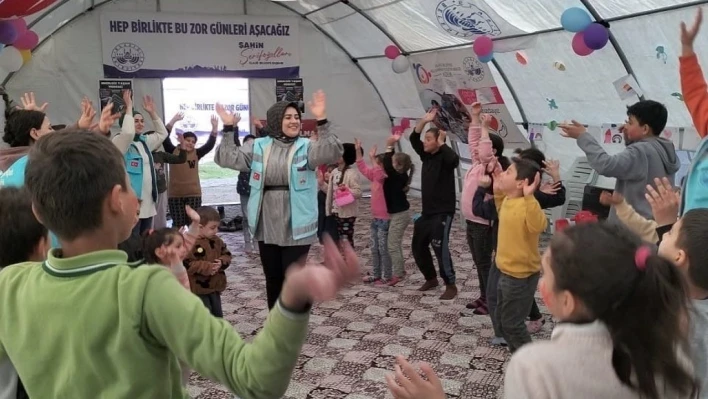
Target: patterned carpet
353,340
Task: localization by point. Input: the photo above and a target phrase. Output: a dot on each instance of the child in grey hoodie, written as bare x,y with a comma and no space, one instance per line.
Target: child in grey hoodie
646,157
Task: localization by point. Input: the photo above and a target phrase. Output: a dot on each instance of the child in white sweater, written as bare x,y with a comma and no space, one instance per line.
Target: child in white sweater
622,331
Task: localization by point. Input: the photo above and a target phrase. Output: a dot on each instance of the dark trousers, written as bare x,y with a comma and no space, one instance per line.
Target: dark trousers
142,226
479,239
321,213
433,230
514,300
276,260
213,303
345,229
178,212
492,290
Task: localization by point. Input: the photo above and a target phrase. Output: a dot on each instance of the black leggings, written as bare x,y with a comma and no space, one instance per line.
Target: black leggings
178,212
276,260
345,229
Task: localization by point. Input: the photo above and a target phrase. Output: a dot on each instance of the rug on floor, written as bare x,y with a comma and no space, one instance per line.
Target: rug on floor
354,339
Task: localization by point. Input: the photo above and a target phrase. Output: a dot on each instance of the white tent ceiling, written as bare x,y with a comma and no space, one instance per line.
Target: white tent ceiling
363,28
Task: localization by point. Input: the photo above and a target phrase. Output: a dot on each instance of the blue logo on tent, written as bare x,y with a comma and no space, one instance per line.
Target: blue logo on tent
128,57
461,18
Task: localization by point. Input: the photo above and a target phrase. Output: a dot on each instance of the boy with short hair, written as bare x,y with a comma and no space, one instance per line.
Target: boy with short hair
647,156
22,239
136,314
521,222
207,261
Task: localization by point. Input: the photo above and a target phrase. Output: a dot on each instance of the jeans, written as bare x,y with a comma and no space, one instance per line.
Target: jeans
247,239
379,252
515,297
433,230
479,239
213,303
396,228
492,287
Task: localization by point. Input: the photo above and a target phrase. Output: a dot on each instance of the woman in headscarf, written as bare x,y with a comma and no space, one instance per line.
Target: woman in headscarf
282,211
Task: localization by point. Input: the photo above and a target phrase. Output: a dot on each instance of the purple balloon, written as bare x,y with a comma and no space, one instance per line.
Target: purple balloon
8,32
596,36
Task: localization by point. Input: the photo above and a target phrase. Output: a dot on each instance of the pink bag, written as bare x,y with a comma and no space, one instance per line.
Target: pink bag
343,197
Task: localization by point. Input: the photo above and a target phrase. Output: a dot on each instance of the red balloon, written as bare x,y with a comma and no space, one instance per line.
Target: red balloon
405,123
22,8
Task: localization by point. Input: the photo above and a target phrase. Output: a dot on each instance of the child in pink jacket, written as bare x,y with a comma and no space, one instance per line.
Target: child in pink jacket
380,219
484,151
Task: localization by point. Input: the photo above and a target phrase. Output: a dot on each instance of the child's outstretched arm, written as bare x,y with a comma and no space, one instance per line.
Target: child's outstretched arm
372,174
192,234
263,367
693,84
474,133
641,226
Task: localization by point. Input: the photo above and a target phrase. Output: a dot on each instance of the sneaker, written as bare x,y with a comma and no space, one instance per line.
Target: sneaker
370,279
476,303
450,292
394,280
535,326
429,285
498,341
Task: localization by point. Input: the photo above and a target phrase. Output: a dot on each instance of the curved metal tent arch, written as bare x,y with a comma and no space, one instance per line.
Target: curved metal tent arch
362,12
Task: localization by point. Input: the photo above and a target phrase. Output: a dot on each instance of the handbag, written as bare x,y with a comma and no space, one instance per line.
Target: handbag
343,197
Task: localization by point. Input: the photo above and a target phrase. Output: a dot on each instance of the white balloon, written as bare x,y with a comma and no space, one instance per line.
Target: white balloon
400,64
11,59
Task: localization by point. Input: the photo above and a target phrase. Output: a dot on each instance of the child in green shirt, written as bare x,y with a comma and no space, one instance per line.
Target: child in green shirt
95,326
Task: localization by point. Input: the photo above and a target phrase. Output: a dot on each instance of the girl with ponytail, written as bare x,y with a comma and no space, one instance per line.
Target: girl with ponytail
622,331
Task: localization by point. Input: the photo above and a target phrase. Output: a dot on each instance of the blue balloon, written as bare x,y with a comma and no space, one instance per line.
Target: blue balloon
486,58
575,19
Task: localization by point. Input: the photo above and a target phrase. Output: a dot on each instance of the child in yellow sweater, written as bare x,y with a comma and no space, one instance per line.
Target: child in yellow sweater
521,222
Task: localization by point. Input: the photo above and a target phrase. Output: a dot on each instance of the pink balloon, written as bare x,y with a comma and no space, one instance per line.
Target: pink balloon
579,46
483,46
405,123
27,41
392,52
20,26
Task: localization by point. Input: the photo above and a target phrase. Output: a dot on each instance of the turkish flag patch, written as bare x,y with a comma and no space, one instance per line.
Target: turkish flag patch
256,176
134,164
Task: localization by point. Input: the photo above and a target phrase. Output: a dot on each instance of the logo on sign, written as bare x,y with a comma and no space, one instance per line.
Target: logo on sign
461,18
473,67
422,74
128,57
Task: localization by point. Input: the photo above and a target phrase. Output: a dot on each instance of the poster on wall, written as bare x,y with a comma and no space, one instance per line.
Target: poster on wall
160,45
610,134
290,90
451,81
112,91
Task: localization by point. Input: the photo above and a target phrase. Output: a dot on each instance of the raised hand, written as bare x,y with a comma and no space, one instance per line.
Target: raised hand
529,189
87,114
372,152
392,140
192,214
552,167
608,199
407,383
237,118
688,35
227,118
664,202
169,255
307,283
430,115
149,106
256,122
178,117
485,181
128,100
477,109
486,119
441,138
572,130
107,119
29,103
357,149
318,105
214,123
550,188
